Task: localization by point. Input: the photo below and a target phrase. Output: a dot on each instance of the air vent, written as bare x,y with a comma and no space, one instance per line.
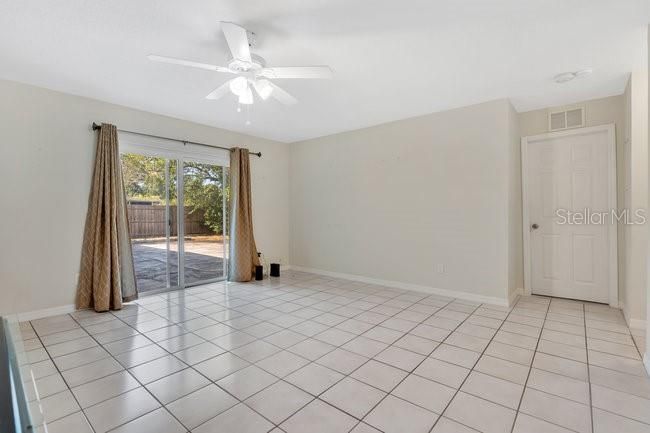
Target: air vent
566,118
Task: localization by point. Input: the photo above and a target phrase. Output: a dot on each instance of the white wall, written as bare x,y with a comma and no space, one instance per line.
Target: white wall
392,201
46,156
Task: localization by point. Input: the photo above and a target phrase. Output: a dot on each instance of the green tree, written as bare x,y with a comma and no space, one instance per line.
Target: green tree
205,186
205,189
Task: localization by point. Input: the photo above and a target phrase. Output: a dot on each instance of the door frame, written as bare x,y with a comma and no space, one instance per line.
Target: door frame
172,150
611,197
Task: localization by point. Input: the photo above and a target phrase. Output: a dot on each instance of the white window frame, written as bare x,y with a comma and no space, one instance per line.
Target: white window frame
172,149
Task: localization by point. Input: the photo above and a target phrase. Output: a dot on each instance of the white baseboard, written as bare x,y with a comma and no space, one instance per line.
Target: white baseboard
66,309
39,314
632,323
514,295
637,324
418,288
63,309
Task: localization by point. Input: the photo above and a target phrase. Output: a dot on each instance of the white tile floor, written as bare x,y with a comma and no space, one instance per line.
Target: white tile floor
308,354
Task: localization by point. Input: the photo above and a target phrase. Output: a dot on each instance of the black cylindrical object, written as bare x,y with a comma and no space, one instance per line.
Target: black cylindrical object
275,269
259,272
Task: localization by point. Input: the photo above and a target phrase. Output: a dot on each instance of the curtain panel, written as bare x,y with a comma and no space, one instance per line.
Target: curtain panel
106,276
243,252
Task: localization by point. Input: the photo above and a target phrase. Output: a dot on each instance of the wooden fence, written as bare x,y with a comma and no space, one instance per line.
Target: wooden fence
148,221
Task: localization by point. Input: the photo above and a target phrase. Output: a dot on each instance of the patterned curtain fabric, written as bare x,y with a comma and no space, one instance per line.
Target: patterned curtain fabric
243,252
106,277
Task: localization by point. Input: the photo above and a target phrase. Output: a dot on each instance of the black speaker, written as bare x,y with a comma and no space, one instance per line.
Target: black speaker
275,269
259,272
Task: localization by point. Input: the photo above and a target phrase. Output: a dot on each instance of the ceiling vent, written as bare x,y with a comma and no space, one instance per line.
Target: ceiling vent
566,118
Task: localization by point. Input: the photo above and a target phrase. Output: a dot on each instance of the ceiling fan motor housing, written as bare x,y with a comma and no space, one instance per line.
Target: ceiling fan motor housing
252,39
256,64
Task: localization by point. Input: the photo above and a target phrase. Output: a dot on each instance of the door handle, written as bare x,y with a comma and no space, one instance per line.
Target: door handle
535,226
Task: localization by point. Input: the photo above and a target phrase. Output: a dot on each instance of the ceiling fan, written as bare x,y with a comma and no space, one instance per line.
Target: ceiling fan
250,69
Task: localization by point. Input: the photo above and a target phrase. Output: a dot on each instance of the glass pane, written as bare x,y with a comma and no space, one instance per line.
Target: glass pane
204,195
150,185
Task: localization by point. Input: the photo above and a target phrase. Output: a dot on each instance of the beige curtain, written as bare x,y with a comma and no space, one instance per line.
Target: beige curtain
107,276
243,252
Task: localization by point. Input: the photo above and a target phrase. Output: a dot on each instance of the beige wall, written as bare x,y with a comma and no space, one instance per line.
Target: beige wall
46,157
392,202
398,202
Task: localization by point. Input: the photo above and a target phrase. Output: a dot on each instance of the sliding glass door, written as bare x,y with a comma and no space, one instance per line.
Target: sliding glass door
177,212
204,202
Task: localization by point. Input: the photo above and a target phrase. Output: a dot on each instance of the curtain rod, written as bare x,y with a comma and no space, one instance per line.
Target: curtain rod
97,126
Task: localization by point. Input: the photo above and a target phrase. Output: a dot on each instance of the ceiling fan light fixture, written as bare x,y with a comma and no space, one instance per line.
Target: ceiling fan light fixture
238,86
246,98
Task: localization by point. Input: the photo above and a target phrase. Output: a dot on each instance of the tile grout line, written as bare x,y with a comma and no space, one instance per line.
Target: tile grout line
530,368
349,375
262,338
421,322
141,386
66,384
281,349
419,363
341,347
408,372
179,323
138,333
591,407
505,319
211,382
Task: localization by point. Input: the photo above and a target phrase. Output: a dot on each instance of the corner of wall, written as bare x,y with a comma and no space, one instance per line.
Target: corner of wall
646,358
515,241
632,323
634,177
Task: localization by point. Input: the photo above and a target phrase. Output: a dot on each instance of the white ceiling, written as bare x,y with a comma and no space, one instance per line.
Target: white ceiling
392,59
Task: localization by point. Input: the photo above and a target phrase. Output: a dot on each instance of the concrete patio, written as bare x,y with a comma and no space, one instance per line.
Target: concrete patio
203,261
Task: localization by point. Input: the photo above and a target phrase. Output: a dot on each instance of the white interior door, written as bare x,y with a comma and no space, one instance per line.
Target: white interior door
571,171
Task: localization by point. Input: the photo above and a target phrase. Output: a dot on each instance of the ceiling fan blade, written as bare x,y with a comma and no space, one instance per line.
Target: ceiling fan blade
237,41
281,95
220,91
189,63
322,72
263,88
